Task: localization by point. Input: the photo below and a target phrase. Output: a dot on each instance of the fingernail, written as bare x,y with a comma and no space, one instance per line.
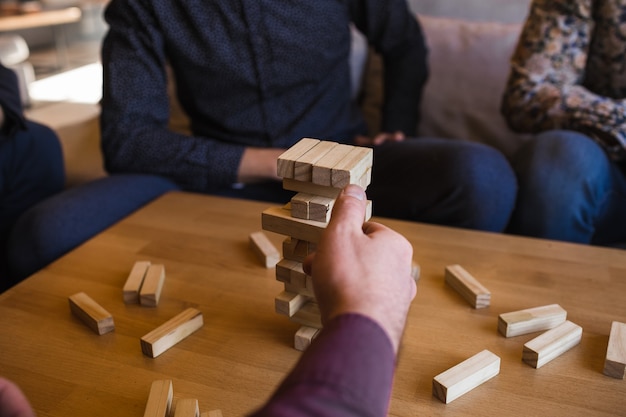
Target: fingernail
354,191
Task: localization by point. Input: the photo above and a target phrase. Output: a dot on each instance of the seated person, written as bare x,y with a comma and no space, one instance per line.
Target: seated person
31,164
363,284
568,85
254,79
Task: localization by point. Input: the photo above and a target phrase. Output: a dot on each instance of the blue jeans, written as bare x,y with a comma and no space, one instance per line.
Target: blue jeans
438,181
569,190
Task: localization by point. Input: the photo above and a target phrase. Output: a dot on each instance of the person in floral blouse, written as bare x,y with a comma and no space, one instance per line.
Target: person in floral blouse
567,86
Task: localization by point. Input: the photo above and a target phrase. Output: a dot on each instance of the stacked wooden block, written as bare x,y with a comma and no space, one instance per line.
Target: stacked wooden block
318,171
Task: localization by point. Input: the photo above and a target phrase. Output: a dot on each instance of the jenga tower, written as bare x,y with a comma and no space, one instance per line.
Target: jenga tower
318,171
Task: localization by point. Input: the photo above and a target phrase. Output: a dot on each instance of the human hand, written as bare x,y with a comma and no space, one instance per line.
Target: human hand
379,139
362,268
13,403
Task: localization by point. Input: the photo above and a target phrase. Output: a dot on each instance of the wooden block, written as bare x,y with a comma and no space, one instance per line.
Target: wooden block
531,320
160,399
134,281
300,205
150,292
320,208
615,362
303,337
321,172
287,303
468,286
415,271
171,332
279,220
467,375
91,313
264,249
352,167
187,407
286,163
297,250
284,268
303,169
308,315
551,344
310,188
299,289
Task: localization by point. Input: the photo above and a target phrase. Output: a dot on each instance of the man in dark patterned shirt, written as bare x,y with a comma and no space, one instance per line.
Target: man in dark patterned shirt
568,85
256,76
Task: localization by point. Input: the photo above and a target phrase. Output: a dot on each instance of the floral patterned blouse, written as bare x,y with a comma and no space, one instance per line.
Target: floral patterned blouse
569,71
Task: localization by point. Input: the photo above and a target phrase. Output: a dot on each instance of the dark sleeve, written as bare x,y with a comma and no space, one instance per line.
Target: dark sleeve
11,102
393,30
346,372
135,108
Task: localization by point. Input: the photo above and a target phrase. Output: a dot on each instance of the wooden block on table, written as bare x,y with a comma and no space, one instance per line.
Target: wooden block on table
322,169
150,292
134,282
287,303
303,168
615,362
468,286
352,167
308,315
303,337
531,320
286,162
171,332
551,344
160,399
91,313
264,249
296,249
187,407
467,375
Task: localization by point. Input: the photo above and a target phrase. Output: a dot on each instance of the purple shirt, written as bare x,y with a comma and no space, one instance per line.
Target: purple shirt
347,371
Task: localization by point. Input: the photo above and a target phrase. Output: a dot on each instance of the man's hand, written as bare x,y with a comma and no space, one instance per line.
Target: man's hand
379,139
13,403
362,268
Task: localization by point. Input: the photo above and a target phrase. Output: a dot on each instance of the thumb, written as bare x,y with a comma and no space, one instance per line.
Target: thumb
349,209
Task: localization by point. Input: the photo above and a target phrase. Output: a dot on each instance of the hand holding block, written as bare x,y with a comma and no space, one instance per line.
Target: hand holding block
159,399
134,282
531,320
91,313
615,362
264,249
551,344
467,375
468,286
171,332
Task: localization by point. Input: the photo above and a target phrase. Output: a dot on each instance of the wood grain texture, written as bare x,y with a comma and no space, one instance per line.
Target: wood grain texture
91,313
530,320
615,362
551,344
160,398
245,349
171,332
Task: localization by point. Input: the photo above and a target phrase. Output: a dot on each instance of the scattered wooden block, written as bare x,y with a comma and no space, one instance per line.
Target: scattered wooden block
303,337
187,407
91,313
321,172
150,292
467,375
551,344
615,362
134,281
287,303
286,163
264,249
308,315
171,332
160,399
468,286
303,169
531,320
352,167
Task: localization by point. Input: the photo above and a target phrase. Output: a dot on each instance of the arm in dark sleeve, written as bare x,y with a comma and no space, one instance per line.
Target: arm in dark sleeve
346,372
135,109
11,102
396,34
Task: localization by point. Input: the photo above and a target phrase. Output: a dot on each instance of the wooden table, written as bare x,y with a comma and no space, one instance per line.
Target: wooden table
244,349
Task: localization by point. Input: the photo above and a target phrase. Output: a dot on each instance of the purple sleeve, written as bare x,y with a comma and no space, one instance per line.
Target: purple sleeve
347,371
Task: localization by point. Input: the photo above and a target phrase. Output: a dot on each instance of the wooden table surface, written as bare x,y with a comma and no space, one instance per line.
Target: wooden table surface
235,361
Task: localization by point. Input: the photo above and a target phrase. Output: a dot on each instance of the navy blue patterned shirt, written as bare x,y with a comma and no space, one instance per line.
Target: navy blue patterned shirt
261,73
